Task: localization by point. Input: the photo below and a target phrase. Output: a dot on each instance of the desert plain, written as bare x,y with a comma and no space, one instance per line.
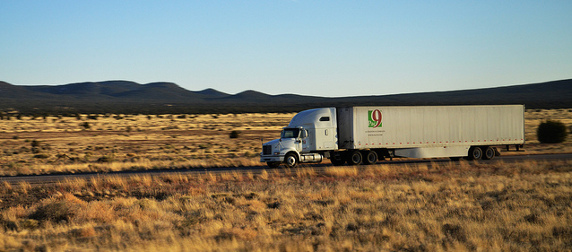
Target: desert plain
467,206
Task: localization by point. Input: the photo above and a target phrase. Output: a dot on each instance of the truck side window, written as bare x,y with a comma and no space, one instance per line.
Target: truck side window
324,119
304,134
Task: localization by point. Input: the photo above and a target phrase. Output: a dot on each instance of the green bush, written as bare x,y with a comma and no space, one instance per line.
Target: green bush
551,132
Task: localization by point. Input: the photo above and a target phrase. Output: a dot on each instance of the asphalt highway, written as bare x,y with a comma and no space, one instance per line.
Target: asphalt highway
43,179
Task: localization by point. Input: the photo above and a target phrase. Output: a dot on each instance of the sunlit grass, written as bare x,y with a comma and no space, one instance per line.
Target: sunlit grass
438,206
141,142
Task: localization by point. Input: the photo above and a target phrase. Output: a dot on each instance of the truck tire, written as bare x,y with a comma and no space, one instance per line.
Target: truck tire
291,160
475,153
489,153
370,157
273,164
355,158
337,160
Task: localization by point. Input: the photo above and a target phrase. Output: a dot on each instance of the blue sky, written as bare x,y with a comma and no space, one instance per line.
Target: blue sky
321,48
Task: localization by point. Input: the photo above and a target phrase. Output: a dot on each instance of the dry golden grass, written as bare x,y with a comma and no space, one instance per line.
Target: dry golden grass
435,207
127,142
120,142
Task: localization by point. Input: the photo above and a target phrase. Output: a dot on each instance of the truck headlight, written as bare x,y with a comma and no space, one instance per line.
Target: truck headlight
277,153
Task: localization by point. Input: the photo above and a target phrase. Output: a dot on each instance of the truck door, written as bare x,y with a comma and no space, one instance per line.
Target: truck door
329,139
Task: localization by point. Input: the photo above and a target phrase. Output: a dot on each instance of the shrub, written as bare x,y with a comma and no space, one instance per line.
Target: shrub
54,211
35,143
85,125
105,159
234,134
551,132
93,117
43,156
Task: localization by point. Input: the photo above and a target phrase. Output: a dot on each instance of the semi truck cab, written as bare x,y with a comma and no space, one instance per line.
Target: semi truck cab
309,135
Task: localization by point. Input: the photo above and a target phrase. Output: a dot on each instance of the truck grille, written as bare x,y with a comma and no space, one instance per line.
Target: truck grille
266,149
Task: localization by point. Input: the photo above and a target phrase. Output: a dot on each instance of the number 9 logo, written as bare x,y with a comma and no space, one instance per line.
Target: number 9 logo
374,118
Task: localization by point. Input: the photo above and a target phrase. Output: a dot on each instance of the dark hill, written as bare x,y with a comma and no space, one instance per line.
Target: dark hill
555,94
250,96
212,93
109,88
161,92
165,97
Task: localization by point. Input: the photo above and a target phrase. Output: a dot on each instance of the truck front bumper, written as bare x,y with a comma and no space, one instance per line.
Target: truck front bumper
271,158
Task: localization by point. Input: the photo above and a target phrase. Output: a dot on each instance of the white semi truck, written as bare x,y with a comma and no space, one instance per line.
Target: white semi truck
364,135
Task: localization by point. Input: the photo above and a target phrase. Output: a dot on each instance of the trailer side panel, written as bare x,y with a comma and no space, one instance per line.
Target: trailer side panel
429,126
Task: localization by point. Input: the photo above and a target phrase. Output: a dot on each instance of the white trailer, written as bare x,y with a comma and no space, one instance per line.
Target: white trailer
359,135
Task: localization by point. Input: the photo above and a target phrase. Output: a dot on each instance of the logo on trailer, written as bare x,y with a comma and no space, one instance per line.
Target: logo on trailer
374,117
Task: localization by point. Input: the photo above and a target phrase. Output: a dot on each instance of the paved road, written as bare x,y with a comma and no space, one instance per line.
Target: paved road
41,179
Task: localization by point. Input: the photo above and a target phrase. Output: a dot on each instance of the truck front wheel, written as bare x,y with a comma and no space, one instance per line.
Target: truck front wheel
355,158
291,160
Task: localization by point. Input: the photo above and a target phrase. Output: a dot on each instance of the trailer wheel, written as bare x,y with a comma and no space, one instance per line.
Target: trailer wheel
370,157
291,160
273,164
489,153
355,158
475,153
337,160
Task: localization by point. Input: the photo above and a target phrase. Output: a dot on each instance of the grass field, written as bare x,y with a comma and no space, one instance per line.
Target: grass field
99,143
421,207
120,142
450,206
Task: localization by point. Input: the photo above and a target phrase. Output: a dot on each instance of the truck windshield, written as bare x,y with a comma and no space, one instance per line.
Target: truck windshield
290,133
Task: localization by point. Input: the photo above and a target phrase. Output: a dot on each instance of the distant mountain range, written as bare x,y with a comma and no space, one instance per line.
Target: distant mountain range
163,97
